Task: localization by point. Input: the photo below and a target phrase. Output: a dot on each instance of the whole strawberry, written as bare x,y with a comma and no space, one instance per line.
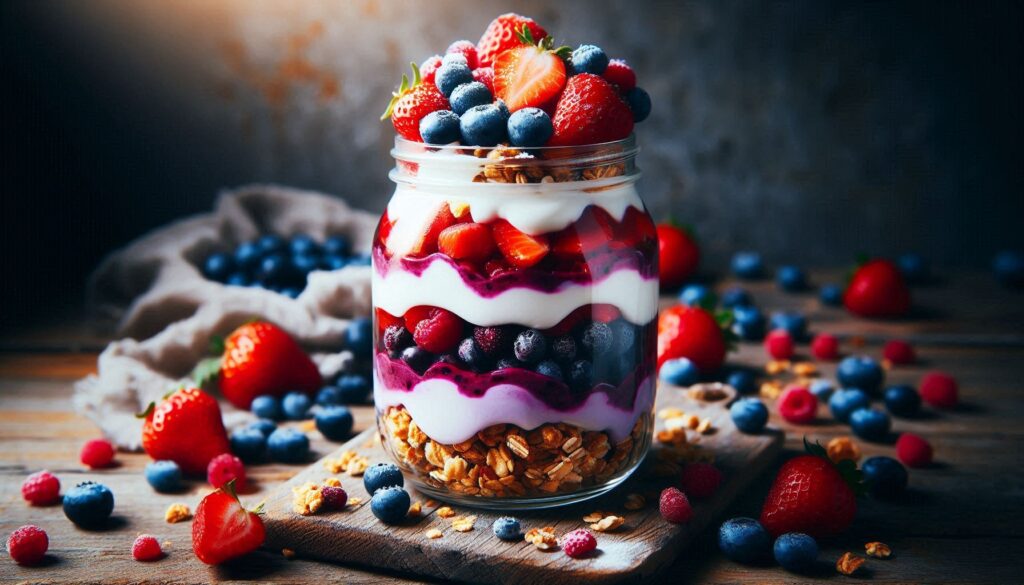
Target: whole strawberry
222,529
812,495
411,103
678,256
502,35
590,111
186,428
693,333
877,289
261,358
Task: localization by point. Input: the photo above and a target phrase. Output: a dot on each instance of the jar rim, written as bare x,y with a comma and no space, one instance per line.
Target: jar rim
627,144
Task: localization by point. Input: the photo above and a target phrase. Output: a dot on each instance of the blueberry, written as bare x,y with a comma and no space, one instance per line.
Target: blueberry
640,103
822,389
397,338
483,126
529,127
451,75
452,58
418,359
736,297
332,262
796,552
247,255
506,362
530,346
288,446
791,278
302,244
164,476
360,260
846,400
328,395
503,108
679,371
581,375
743,540
271,244
218,267
624,333
792,321
263,425
597,338
743,381
884,477
440,127
860,371
382,475
750,415
296,405
88,504
267,406
550,369
275,269
507,528
870,425
359,337
305,263
914,267
290,292
589,59
698,295
471,355
1008,267
748,323
390,505
334,422
337,246
248,444
902,400
352,388
831,295
468,95
747,265
238,279
563,348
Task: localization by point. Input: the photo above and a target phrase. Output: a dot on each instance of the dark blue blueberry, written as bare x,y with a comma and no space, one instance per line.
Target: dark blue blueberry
795,323
275,269
744,540
914,267
750,415
451,58
332,262
640,103
296,405
680,372
846,400
503,108
581,375
267,406
263,425
507,528
249,444
360,260
417,358
550,369
597,338
451,75
743,381
471,355
698,295
328,395
529,127
352,388
440,127
164,476
390,505
870,425
302,245
288,446
589,59
218,267
747,265
831,295
505,363
359,337
884,477
624,333
860,371
748,323
238,279
902,400
290,292
271,244
736,297
337,246
483,126
796,552
305,263
466,96
791,278
334,422
563,348
822,389
88,504
397,338
1008,267
530,346
382,475
248,255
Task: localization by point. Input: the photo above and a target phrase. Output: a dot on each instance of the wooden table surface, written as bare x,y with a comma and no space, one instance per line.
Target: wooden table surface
961,522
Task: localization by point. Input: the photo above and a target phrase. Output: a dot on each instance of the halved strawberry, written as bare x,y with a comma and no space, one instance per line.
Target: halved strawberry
589,111
223,529
594,229
416,314
411,102
520,249
415,236
385,320
501,36
531,75
466,241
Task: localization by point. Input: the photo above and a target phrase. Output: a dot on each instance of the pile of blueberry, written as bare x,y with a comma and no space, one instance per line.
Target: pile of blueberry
263,439
280,264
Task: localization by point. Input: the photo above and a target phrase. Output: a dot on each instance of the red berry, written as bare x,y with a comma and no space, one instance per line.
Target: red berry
939,389
809,495
186,427
440,332
913,451
222,529
589,111
899,352
429,68
825,347
147,548
528,77
779,344
620,74
465,48
521,249
578,543
27,545
675,506
678,255
223,468
335,498
262,358
877,289
700,480
798,406
693,333
41,489
97,454
485,75
501,35
408,108
466,241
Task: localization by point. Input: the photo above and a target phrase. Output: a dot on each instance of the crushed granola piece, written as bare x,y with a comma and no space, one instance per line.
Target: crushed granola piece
433,533
288,553
353,502
542,538
357,466
177,513
307,499
445,512
518,445
771,389
594,516
463,523
849,563
879,550
332,482
805,370
671,412
777,366
415,509
704,427
308,426
634,502
841,448
340,464
607,524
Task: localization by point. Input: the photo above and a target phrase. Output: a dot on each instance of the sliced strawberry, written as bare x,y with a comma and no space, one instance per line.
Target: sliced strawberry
466,241
596,229
385,319
589,111
383,229
566,243
223,529
416,314
636,228
426,244
496,267
501,35
620,75
440,332
485,75
411,102
520,249
528,76
604,313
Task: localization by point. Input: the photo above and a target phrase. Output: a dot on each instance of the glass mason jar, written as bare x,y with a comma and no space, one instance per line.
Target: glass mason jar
515,300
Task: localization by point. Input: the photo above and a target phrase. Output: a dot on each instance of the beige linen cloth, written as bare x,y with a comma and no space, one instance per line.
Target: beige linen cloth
166,312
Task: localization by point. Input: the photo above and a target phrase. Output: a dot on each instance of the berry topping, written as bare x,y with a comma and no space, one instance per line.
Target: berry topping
225,468
530,346
749,415
451,74
902,400
465,48
620,74
884,477
382,475
466,241
223,529
428,68
578,543
675,506
597,338
940,390
589,59
41,489
396,338
899,352
27,545
779,344
418,359
798,406
870,425
440,332
529,127
825,347
440,127
97,454
590,111
492,340
485,75
581,375
504,33
469,95
743,540
335,497
913,450
483,125
507,528
700,480
678,255
390,504
550,369
796,552
563,348
165,476
88,504
412,102
877,289
334,422
639,103
146,548
519,248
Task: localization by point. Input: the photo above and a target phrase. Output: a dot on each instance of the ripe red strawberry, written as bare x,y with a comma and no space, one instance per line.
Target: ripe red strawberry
593,230
812,495
465,48
429,68
186,428
415,236
693,333
411,102
589,111
222,529
620,74
439,332
466,241
877,290
485,75
501,35
520,249
530,75
637,229
678,255
261,358
385,319
416,314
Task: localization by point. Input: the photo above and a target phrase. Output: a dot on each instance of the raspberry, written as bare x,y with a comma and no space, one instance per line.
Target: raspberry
335,498
27,545
465,48
620,74
41,489
578,543
939,389
429,68
779,344
492,340
146,548
825,347
675,506
899,352
223,468
798,406
700,480
97,453
441,331
913,451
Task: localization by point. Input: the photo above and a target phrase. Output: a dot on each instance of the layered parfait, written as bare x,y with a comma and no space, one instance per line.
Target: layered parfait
515,274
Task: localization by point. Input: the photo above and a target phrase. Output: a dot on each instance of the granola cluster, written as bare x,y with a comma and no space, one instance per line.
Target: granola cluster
506,461
510,165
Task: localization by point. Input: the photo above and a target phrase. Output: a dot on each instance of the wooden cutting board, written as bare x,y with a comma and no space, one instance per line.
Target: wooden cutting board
642,546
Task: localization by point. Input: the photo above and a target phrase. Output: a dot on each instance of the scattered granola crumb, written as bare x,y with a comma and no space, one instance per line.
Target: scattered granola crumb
607,524
634,502
339,464
434,533
445,512
594,516
177,513
879,550
415,509
353,502
308,426
841,448
357,466
667,413
542,538
463,524
307,499
805,369
771,389
704,427
849,563
430,503
332,482
288,553
777,366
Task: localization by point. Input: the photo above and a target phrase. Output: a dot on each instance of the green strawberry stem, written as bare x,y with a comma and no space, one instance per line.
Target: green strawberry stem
545,44
403,89
229,489
847,468
147,412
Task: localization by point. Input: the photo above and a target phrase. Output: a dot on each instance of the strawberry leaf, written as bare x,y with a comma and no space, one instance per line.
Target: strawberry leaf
816,449
847,468
147,412
206,372
403,89
525,36
216,346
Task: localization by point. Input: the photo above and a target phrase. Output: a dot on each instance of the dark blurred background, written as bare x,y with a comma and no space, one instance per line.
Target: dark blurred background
810,130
